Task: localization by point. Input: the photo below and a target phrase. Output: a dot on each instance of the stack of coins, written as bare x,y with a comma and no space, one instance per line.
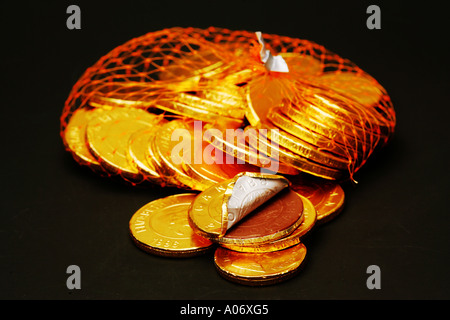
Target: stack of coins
138,146
141,147
110,139
264,247
208,100
123,137
324,117
326,133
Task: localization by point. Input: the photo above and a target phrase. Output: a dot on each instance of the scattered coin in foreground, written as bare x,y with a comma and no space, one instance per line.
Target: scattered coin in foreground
161,227
258,269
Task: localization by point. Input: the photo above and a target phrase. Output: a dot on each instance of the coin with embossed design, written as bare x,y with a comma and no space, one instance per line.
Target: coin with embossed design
205,212
161,227
258,269
108,134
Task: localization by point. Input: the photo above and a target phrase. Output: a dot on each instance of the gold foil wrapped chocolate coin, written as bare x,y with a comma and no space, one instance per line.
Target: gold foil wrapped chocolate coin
250,208
258,269
108,134
161,227
292,239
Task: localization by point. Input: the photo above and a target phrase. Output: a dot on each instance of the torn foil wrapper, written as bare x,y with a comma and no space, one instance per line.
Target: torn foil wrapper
246,192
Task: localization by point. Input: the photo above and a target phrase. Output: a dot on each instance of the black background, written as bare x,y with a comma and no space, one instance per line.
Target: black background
55,213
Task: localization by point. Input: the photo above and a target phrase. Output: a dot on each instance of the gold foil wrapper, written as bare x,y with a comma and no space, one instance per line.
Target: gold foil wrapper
161,227
217,215
292,239
108,134
258,269
246,192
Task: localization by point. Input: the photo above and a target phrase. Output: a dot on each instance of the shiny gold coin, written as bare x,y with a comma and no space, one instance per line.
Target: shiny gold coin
75,138
138,153
302,148
108,134
161,227
328,197
277,118
258,269
264,146
238,148
310,218
205,212
171,147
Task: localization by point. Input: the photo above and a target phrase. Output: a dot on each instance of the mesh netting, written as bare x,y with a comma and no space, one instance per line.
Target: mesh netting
331,104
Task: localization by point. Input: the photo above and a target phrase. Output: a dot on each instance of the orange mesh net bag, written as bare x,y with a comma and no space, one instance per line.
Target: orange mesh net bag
325,115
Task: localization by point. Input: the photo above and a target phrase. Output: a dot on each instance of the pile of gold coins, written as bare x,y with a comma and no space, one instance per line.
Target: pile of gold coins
137,146
263,248
200,110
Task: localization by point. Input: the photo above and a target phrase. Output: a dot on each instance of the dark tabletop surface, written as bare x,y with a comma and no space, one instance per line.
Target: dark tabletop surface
55,213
